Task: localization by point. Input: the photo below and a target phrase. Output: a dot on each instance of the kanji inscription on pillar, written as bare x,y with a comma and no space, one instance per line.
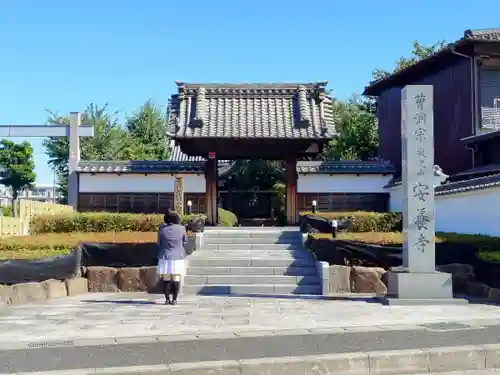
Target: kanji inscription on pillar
418,178
179,195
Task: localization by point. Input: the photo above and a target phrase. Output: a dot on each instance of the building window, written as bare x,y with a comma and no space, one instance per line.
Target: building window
489,94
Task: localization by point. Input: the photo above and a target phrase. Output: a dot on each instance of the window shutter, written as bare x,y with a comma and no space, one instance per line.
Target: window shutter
490,90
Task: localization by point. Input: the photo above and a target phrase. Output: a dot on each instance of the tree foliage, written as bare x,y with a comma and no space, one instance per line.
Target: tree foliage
355,118
146,131
357,131
142,138
17,168
255,174
418,52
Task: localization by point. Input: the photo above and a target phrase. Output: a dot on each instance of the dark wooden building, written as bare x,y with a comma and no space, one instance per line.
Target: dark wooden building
466,80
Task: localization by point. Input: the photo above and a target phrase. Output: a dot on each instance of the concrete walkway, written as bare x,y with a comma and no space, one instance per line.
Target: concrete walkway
135,317
133,329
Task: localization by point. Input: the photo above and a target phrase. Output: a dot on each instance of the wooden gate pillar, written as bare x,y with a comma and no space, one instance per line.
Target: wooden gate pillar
179,195
211,191
291,191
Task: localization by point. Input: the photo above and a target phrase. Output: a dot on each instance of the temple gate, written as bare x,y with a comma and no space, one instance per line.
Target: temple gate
251,121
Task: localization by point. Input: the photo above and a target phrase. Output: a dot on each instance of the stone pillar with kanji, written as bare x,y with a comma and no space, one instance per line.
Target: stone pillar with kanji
417,281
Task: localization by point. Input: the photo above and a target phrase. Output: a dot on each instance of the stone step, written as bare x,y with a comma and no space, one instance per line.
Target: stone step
243,246
250,280
275,271
268,289
251,254
251,262
235,233
250,240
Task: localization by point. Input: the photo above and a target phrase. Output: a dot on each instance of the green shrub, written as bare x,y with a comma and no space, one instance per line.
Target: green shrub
365,221
227,218
99,222
6,210
278,202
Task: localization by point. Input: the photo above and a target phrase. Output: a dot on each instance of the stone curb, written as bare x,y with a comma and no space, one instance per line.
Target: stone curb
462,358
101,341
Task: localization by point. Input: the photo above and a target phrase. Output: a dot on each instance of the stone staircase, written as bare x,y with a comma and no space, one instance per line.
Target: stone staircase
252,261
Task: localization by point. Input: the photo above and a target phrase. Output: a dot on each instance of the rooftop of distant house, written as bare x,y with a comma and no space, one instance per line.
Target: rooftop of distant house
434,61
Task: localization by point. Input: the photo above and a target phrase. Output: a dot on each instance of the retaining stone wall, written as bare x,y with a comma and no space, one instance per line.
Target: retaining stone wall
34,292
339,279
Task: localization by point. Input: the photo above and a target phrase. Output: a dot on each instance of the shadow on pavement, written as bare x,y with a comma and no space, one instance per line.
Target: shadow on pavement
120,302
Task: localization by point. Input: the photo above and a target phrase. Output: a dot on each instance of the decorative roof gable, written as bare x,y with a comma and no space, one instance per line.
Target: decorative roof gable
251,111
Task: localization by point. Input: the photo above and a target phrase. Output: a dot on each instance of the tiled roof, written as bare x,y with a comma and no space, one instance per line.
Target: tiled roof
459,186
152,166
345,166
481,137
396,181
251,111
468,185
488,35
491,35
176,154
147,166
488,169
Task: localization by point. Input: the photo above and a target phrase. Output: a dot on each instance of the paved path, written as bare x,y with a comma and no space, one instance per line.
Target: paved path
132,329
110,318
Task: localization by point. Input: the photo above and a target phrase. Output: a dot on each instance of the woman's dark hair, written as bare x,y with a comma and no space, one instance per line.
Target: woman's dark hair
172,217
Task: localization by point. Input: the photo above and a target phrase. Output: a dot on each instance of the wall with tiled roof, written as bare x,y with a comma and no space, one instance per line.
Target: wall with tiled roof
462,206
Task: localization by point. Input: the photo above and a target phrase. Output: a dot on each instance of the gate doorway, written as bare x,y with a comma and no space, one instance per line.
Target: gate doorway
254,190
253,208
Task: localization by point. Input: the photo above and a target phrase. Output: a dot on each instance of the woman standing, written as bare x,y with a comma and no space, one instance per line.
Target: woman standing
171,268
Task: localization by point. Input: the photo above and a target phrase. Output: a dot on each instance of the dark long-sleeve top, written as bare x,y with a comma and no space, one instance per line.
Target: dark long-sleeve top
171,240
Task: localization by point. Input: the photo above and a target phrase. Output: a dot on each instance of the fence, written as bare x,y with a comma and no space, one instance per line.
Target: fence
13,226
19,226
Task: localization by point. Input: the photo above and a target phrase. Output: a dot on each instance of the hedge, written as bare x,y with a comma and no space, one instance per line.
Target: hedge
227,218
487,247
99,222
364,221
51,244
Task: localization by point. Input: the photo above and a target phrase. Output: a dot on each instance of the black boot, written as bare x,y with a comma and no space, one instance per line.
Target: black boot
167,290
175,291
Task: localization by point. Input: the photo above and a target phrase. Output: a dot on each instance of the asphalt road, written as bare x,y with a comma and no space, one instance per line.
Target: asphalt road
66,358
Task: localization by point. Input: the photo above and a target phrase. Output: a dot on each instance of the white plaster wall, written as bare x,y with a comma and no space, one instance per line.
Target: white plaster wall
342,183
138,183
472,212
395,198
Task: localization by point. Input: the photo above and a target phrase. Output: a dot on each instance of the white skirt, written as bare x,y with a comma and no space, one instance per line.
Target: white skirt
171,267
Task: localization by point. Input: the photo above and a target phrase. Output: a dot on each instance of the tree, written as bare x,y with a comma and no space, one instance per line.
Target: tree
17,168
143,137
355,119
146,134
419,52
108,142
357,132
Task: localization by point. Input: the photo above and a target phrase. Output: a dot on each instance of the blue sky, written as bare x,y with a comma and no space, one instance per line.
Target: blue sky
62,55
